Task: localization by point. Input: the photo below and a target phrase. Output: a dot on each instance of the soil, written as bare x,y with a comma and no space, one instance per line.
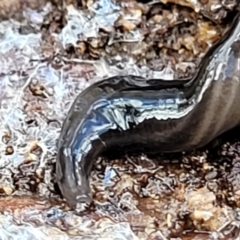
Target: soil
49,52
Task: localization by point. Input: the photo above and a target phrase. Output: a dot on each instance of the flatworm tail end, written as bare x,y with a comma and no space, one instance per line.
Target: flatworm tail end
80,143
67,182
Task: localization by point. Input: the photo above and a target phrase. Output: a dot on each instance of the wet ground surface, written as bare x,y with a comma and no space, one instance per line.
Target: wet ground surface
49,53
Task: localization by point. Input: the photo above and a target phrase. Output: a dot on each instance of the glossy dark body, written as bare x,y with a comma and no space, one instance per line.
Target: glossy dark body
150,115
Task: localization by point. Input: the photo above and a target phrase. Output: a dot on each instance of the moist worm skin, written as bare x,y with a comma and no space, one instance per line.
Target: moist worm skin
149,115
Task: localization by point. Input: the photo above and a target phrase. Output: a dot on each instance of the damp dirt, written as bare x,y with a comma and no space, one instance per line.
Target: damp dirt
49,52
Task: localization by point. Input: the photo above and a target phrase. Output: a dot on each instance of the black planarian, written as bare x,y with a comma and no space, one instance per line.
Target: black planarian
150,115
